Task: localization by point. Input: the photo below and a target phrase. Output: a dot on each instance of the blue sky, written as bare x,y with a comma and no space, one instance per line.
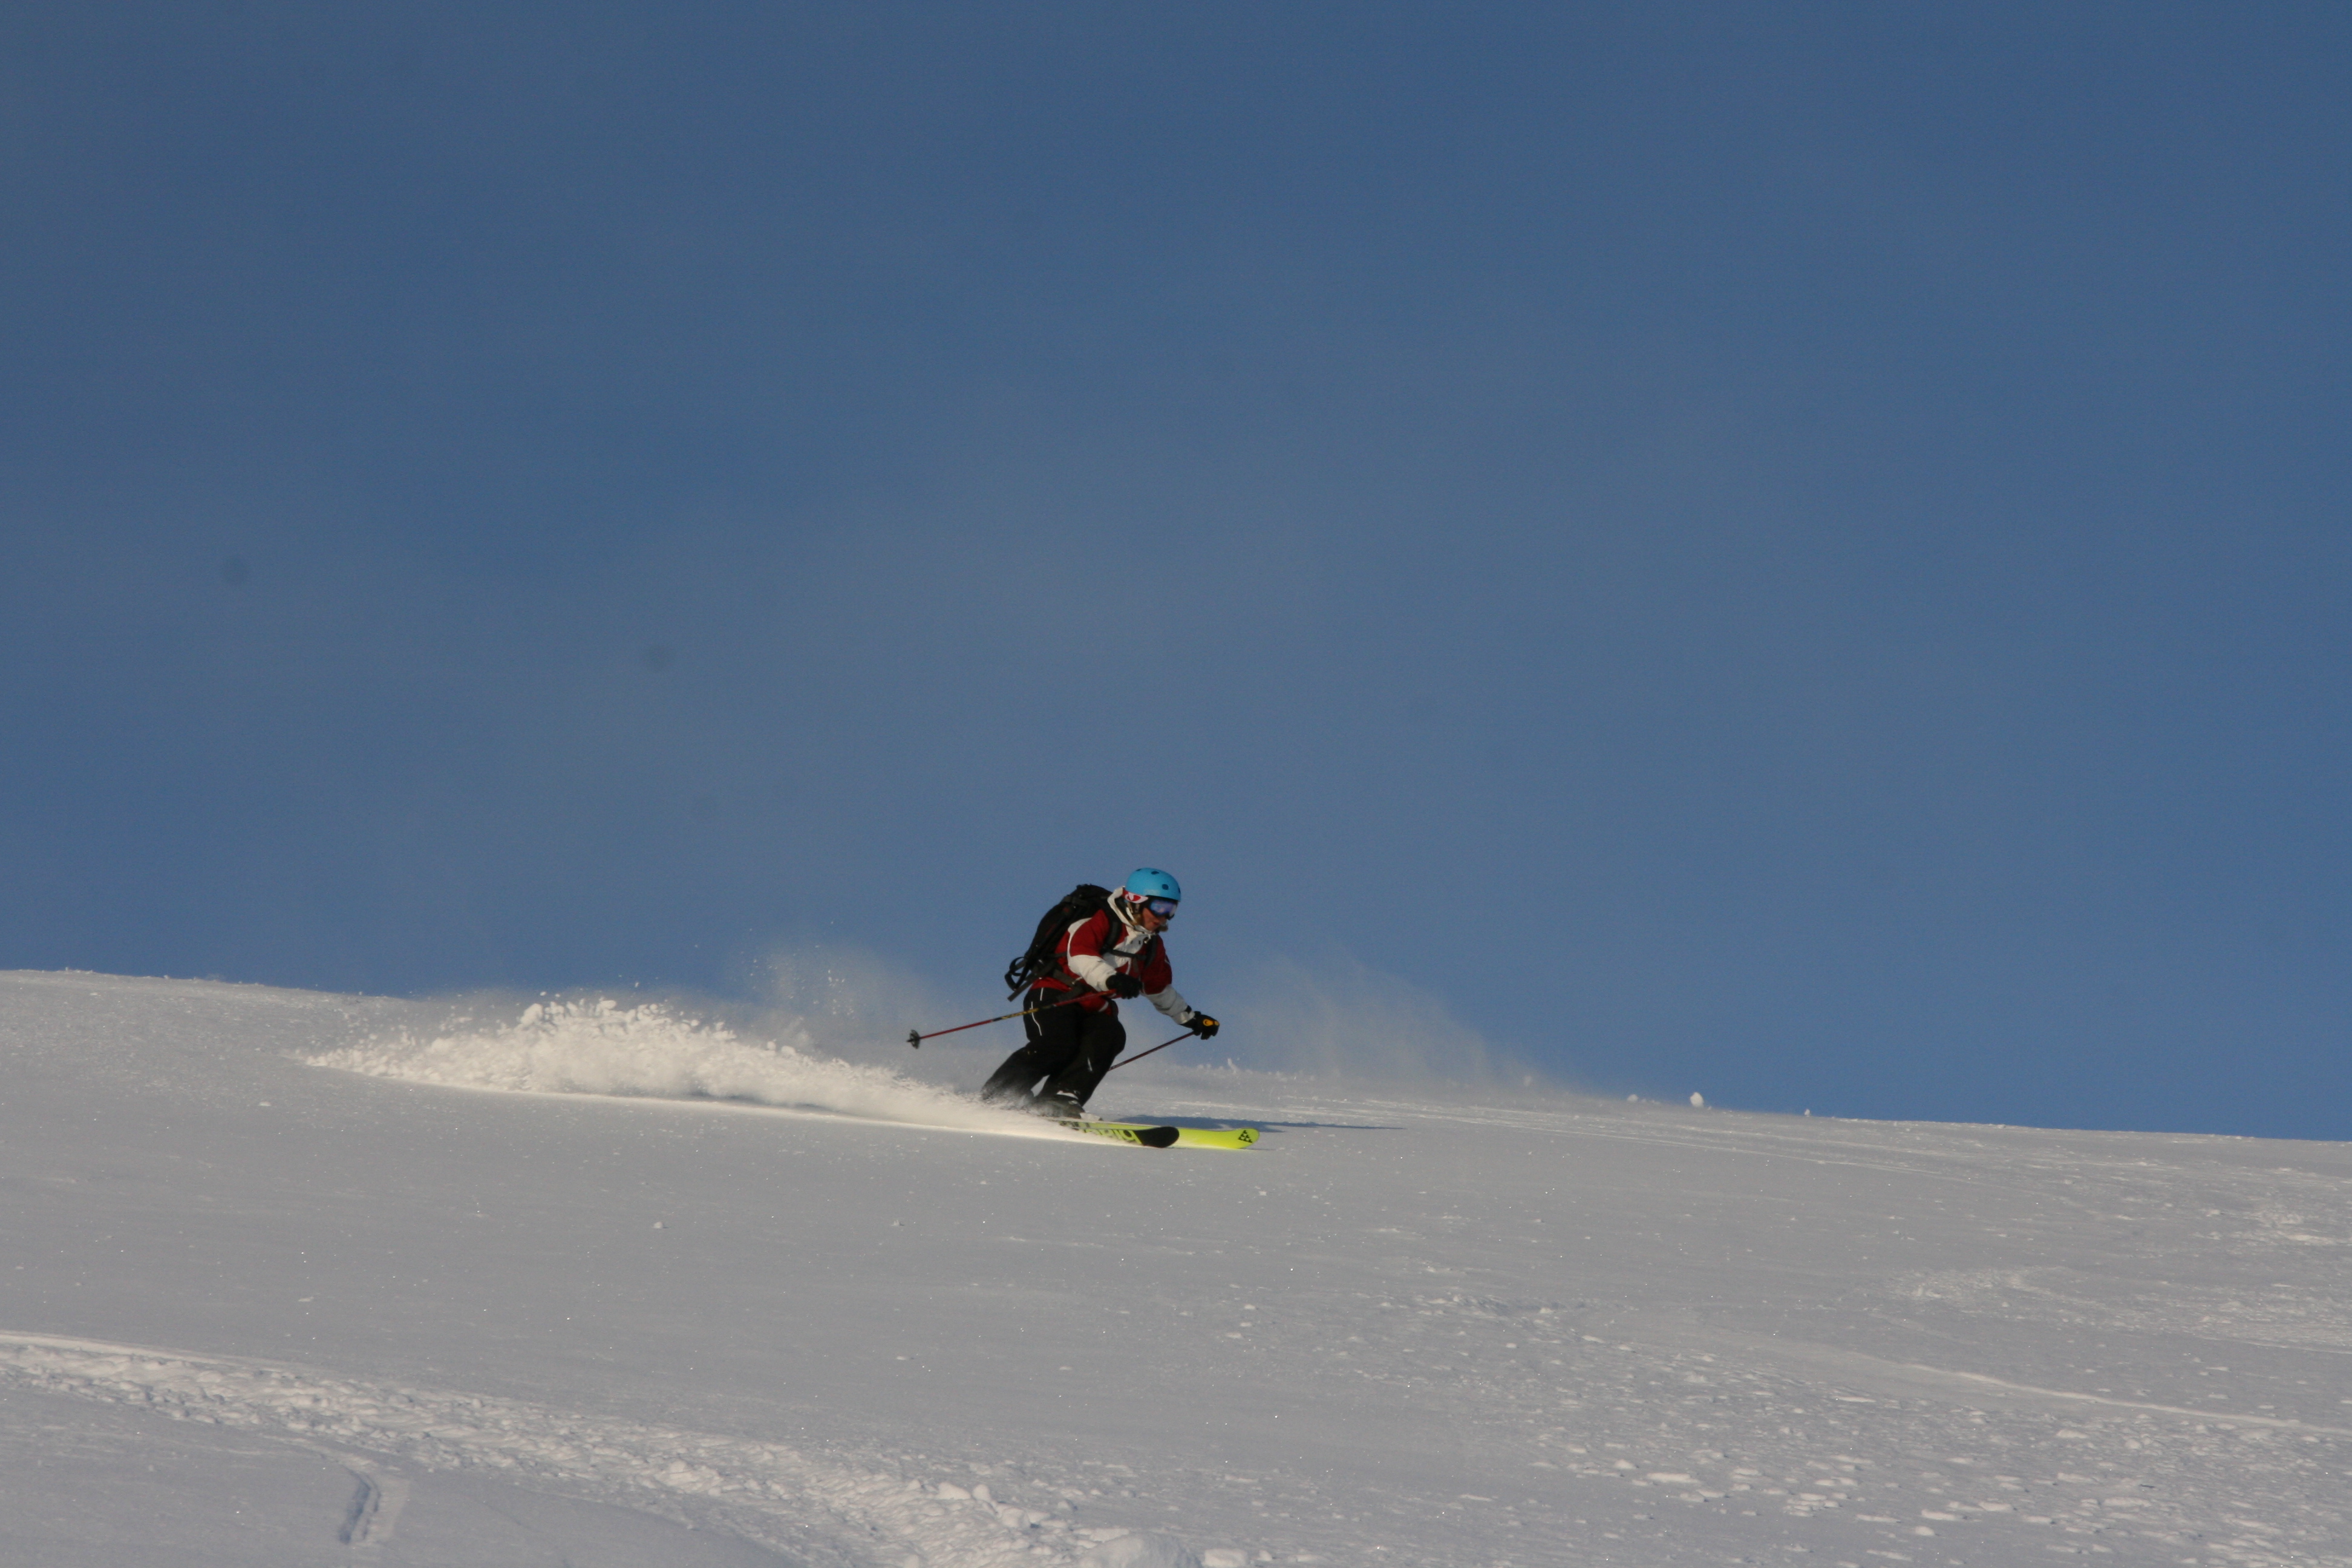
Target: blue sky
1798,551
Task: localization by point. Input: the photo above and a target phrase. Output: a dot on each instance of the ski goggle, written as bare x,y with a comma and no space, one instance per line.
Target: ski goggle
1164,908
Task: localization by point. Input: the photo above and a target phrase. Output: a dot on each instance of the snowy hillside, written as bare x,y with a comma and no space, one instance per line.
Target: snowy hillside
299,1278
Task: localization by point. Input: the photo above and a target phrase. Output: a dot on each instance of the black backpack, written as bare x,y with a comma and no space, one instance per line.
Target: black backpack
1033,966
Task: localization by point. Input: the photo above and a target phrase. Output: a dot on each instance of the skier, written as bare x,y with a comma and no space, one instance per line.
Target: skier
1115,952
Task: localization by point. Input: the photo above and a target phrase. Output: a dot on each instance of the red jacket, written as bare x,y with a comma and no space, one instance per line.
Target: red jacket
1101,945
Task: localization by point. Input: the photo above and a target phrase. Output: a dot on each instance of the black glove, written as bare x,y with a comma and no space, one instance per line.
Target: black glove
1203,1026
1123,985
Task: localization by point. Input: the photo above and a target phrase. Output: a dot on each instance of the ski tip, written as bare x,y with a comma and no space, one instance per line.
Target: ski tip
1217,1137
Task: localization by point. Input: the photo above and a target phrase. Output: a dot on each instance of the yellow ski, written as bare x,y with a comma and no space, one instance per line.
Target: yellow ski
1153,1137
1124,1132
1216,1137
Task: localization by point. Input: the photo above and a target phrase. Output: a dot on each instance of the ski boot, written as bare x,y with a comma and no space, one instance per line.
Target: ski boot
1063,1107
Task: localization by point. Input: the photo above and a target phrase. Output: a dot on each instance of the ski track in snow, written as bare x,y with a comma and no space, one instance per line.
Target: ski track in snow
816,1510
650,1051
1696,1437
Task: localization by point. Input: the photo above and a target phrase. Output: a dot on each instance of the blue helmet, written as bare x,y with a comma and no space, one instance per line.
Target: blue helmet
1148,883
1147,889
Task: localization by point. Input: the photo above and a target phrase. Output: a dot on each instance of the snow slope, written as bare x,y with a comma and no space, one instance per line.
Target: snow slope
301,1278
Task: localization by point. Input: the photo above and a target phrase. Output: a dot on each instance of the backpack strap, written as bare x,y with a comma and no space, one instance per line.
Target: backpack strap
1042,958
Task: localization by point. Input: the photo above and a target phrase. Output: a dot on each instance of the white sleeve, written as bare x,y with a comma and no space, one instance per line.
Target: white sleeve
1093,970
1171,1004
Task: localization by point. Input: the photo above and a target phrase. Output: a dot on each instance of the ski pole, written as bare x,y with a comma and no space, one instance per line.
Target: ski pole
1140,1055
916,1038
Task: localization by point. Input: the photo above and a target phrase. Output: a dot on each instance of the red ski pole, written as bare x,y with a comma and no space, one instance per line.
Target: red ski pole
916,1038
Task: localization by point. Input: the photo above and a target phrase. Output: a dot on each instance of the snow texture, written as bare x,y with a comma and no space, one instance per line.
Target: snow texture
288,1286
603,1047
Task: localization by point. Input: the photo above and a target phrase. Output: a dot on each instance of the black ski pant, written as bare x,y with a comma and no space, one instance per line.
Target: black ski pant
1070,1048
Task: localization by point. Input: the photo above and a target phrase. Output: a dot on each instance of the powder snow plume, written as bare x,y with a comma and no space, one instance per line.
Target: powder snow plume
651,1051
